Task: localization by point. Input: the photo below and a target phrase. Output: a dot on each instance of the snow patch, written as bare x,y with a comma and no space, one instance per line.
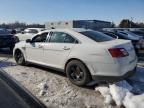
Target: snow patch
43,88
123,92
119,90
139,76
133,101
105,91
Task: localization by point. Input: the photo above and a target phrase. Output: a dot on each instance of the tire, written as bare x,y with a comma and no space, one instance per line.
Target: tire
19,58
78,73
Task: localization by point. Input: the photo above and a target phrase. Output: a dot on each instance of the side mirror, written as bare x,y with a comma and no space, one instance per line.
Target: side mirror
28,41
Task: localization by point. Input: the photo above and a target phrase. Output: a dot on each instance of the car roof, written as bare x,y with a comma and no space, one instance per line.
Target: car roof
34,28
38,29
66,30
74,31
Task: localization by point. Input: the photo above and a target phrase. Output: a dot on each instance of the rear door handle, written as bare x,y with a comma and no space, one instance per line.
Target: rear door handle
66,48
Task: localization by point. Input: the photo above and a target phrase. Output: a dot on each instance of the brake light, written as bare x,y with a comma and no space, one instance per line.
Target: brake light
118,52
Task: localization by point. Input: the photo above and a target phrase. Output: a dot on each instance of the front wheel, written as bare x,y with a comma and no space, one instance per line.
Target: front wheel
78,73
19,57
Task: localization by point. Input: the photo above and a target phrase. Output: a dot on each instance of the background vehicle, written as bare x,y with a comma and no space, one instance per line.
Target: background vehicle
28,33
83,54
137,41
130,34
138,32
7,40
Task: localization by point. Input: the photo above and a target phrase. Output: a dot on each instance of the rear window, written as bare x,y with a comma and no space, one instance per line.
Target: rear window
123,33
3,31
138,32
97,36
111,35
31,31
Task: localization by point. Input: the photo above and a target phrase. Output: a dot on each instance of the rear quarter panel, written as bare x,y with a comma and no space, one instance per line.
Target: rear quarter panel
90,54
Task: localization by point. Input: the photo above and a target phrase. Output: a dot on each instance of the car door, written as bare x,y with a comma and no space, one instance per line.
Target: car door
57,49
34,49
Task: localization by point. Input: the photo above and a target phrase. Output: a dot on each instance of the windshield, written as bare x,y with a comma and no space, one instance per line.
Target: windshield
97,36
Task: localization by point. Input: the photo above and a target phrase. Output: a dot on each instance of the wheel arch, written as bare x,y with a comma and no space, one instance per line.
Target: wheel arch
87,67
71,59
19,49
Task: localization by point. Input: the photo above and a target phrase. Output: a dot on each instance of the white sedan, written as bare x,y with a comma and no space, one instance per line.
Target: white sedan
28,33
84,55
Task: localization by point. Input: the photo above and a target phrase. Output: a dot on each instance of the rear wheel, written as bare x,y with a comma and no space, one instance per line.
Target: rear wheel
78,73
19,57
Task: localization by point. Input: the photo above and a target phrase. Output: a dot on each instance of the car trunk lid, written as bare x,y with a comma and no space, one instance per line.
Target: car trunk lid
127,62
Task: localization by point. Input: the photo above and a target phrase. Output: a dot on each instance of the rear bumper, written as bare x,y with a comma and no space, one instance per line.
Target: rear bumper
111,79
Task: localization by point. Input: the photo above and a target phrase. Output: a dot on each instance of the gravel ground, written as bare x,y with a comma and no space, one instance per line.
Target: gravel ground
53,88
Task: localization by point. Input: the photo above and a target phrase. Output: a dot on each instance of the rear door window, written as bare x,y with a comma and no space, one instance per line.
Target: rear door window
69,39
57,37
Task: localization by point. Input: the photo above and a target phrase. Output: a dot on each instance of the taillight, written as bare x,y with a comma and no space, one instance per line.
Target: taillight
118,52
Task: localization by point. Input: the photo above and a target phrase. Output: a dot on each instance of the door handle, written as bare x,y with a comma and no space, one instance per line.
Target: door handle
66,48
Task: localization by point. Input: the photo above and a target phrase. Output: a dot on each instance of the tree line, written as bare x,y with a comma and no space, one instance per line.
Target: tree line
125,23
21,25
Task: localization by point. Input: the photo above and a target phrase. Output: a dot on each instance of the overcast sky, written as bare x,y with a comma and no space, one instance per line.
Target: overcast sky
40,11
